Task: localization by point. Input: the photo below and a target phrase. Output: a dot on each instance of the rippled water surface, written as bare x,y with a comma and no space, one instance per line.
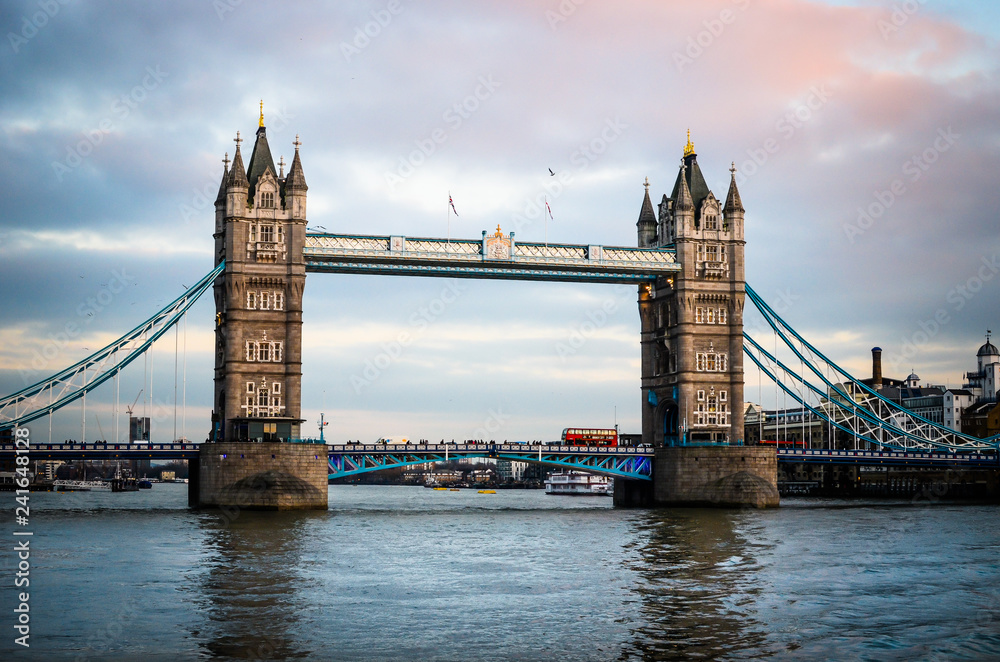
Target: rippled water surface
406,573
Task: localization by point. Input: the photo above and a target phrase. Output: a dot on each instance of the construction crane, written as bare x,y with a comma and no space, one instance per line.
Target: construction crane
142,433
132,406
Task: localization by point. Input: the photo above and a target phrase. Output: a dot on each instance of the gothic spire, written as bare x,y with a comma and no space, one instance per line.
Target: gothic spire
646,214
260,158
647,220
225,176
682,194
237,175
733,202
697,187
295,179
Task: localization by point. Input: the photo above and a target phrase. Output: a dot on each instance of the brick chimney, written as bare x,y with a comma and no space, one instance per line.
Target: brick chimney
876,368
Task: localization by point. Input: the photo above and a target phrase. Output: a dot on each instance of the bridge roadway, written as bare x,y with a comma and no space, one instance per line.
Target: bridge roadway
625,461
352,459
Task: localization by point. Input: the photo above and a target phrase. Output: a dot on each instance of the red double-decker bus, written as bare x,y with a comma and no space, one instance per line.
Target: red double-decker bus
590,437
783,443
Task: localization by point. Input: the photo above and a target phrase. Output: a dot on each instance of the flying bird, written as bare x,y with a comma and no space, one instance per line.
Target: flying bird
551,174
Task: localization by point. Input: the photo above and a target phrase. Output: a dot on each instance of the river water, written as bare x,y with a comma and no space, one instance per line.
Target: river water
407,573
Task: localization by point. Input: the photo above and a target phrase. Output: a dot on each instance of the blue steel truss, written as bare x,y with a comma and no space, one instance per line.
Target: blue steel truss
76,381
616,462
833,395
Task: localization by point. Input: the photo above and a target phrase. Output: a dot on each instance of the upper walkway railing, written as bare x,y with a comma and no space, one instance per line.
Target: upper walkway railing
496,256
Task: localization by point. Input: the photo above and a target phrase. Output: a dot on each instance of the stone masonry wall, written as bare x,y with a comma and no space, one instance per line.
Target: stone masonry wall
716,476
263,476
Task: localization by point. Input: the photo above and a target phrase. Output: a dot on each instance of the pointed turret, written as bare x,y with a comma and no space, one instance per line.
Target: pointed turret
682,193
295,185
733,202
236,183
295,178
697,187
260,160
237,175
221,197
647,221
733,212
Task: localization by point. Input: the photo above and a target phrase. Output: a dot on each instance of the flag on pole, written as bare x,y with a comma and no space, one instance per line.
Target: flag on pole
549,209
452,204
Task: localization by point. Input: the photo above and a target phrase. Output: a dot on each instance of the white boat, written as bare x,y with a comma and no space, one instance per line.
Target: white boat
579,483
81,485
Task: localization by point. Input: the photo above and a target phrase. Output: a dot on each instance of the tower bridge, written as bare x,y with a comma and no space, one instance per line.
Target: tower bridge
688,266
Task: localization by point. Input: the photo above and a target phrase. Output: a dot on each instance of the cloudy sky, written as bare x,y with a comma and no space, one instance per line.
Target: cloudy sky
865,134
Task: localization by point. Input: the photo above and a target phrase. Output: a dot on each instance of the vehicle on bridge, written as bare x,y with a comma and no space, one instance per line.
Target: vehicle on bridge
783,443
590,437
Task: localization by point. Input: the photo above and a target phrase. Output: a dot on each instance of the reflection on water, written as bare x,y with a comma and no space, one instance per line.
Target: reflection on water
696,583
412,574
249,592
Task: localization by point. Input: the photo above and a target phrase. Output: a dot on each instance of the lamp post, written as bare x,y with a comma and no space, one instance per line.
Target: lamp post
322,424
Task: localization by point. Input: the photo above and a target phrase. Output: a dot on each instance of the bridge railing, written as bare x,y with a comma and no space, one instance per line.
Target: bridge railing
435,256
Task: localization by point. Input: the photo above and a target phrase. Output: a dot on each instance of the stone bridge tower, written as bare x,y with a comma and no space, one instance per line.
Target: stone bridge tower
692,352
260,227
692,323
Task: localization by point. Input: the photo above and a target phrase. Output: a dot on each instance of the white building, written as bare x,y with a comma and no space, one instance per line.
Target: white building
955,402
984,381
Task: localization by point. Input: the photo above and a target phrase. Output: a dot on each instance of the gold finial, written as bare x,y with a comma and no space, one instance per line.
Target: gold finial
689,147
499,231
646,184
261,113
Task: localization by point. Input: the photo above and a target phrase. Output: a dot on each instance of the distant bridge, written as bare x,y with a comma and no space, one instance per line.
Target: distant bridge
353,459
915,459
623,461
616,461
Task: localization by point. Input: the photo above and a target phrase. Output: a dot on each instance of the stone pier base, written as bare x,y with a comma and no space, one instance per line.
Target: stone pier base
714,476
260,476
